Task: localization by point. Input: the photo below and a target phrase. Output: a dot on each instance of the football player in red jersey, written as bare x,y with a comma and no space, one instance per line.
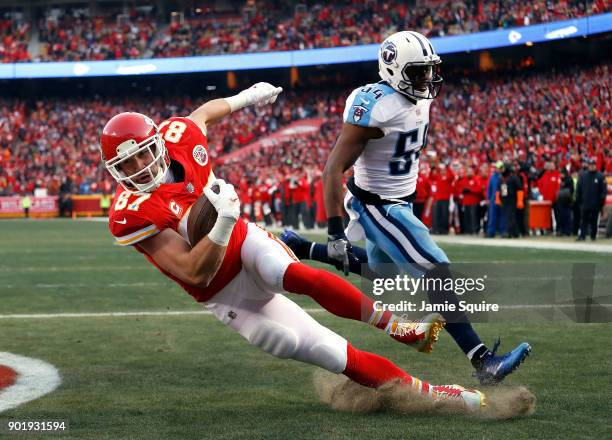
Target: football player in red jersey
239,271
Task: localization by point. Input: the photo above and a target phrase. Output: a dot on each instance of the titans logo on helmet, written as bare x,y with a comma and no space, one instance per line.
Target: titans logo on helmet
389,53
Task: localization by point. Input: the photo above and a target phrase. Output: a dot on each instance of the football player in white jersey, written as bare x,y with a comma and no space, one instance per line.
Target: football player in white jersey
385,130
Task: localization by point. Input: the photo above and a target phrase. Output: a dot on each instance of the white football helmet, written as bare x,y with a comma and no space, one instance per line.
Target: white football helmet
408,62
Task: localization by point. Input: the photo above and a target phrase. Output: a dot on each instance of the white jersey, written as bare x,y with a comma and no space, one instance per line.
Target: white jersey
388,166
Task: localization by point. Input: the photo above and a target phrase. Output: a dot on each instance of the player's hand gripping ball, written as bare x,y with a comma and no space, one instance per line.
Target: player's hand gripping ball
220,199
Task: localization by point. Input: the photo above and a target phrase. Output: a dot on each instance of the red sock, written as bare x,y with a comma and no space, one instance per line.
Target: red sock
371,370
334,294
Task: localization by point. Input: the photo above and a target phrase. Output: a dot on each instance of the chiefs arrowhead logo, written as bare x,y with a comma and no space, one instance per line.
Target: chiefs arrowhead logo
23,379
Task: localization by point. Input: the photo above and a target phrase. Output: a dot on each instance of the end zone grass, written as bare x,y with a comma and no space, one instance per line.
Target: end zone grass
189,377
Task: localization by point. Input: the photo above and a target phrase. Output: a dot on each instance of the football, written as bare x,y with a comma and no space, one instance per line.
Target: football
202,218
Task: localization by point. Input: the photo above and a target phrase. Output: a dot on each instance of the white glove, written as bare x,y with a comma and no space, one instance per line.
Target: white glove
226,201
227,204
260,94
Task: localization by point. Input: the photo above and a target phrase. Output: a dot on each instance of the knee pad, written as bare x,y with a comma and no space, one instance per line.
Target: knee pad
275,338
329,354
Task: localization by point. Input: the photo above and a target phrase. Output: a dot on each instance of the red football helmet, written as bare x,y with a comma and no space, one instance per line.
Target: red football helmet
128,135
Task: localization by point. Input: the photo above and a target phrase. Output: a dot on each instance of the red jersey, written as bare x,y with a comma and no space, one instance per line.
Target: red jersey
300,192
135,217
469,190
441,184
549,185
423,189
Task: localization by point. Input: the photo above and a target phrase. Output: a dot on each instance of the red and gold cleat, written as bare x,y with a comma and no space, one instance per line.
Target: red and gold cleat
473,400
421,334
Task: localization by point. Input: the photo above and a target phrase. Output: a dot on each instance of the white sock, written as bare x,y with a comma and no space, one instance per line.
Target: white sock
473,351
310,251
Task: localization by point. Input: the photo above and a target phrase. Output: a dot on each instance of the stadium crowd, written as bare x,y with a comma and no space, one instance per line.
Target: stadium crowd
76,36
347,23
512,131
268,25
14,37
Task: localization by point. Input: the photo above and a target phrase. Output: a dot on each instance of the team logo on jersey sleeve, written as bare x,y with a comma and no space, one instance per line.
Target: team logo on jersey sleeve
176,209
200,155
358,112
389,53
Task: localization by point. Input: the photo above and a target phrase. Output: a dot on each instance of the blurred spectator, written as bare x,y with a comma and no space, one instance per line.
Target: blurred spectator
66,191
509,187
590,196
319,200
26,204
564,204
496,222
549,185
470,188
442,179
105,203
576,208
423,193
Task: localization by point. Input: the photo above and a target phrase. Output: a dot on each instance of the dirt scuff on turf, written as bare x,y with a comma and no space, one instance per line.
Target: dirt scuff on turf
344,395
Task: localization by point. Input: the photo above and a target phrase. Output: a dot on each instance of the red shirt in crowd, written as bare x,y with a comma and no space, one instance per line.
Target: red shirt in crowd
442,184
469,189
423,189
549,185
300,192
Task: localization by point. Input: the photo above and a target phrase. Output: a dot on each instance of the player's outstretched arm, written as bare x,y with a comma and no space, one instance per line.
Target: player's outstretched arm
198,265
210,112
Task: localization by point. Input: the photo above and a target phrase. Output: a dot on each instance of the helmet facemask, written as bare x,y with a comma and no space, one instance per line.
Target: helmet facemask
421,81
154,149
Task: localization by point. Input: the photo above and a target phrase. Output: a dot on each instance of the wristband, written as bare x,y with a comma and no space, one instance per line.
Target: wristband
335,226
236,102
222,231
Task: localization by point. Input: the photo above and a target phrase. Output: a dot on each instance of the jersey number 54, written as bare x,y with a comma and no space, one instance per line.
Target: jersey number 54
402,160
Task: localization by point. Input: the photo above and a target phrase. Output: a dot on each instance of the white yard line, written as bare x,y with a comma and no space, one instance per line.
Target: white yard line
476,241
206,312
73,268
84,285
116,314
525,243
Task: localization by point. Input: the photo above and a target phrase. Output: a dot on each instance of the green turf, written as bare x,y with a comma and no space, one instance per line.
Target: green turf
189,377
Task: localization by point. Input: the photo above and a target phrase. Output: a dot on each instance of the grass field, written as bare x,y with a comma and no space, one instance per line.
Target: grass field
187,376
